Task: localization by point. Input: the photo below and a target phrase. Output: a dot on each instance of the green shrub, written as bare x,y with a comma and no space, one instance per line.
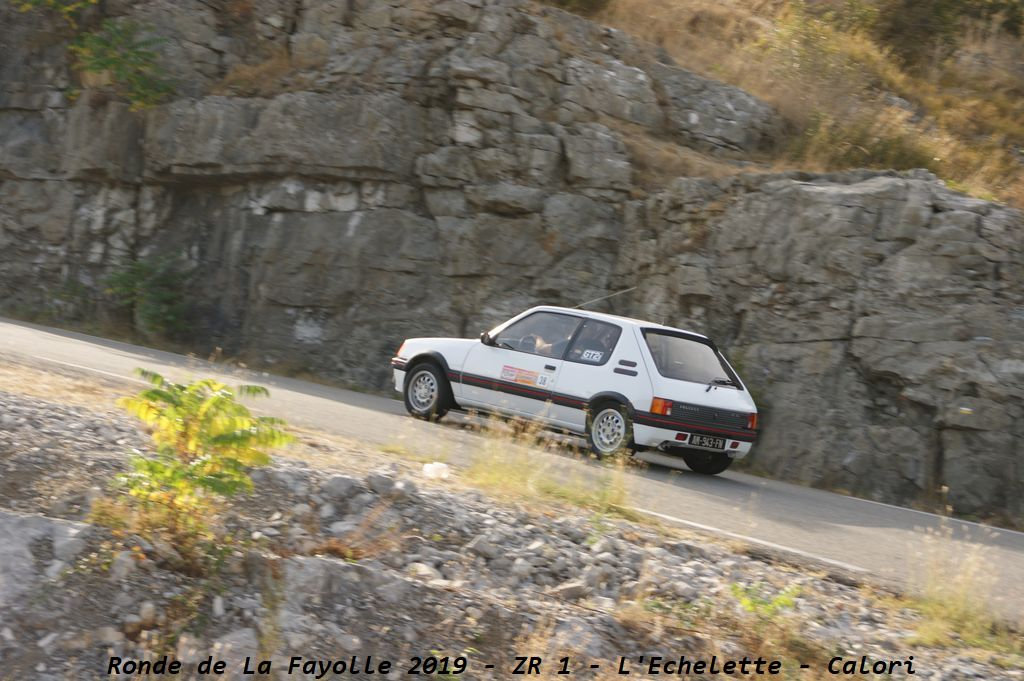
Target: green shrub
752,599
205,442
121,51
153,290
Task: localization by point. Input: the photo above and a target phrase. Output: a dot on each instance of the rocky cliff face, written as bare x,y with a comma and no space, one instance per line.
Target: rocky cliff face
878,319
336,175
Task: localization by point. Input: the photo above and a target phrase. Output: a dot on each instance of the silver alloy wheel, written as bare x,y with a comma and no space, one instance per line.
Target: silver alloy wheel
608,430
423,391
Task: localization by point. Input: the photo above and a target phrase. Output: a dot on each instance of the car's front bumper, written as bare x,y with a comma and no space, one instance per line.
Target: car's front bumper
398,369
399,378
664,438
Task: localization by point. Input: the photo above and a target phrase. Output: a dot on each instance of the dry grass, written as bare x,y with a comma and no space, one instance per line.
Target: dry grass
954,583
261,79
722,626
657,161
57,386
516,463
849,100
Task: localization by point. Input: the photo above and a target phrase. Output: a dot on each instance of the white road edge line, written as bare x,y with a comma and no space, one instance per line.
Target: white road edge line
751,540
981,526
121,377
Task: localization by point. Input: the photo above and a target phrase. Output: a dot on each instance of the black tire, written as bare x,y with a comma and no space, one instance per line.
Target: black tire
609,429
706,463
427,393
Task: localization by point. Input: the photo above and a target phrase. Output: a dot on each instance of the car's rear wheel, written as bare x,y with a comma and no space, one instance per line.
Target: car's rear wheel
706,463
428,395
609,429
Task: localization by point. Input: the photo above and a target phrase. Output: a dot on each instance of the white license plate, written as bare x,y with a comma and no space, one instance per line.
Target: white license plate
707,441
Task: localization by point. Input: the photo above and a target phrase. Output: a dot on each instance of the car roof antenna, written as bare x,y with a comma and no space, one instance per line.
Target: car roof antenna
610,295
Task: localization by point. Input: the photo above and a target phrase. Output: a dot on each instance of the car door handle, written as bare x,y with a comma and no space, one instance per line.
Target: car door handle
550,367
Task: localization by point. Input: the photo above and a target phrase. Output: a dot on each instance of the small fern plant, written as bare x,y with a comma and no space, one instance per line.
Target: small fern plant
205,443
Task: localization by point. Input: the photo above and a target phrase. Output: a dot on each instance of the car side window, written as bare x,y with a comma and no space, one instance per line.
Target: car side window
543,333
595,343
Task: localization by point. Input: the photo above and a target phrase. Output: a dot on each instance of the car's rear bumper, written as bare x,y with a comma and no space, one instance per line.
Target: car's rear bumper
650,436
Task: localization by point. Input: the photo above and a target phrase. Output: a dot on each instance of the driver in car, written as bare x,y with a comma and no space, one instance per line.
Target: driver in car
553,348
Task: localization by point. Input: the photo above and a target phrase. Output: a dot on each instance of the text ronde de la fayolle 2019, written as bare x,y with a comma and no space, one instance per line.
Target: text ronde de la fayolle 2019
515,665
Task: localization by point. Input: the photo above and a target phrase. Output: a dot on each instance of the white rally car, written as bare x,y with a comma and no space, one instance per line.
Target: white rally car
623,383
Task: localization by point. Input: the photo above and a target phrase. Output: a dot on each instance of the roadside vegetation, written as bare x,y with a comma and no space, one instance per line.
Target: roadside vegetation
952,587
507,466
205,442
862,83
170,505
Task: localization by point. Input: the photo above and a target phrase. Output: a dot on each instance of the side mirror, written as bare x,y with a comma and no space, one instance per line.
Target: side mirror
486,339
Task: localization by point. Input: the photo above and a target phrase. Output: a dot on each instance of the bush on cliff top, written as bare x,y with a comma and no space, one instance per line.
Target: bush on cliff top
862,82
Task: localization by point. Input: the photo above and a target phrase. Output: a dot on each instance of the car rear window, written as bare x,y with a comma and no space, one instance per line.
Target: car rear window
685,359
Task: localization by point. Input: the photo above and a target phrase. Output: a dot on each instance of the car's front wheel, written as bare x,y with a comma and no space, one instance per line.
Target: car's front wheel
427,392
609,430
706,463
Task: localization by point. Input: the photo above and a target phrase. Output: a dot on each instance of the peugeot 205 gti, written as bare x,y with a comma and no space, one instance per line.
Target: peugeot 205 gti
665,393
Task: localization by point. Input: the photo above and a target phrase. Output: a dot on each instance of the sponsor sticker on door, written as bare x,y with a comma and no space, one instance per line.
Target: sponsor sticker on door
523,376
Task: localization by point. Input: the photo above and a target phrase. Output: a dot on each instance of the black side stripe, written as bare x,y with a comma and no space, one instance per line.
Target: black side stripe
625,372
518,389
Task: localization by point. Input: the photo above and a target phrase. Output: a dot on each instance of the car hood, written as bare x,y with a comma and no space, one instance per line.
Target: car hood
454,350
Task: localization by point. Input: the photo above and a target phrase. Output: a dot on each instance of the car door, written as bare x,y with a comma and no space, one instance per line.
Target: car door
586,371
516,372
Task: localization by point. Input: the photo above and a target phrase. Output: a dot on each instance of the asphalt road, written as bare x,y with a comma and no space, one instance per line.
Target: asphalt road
890,544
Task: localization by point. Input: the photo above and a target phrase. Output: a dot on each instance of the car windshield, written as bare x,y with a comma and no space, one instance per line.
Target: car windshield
541,333
687,360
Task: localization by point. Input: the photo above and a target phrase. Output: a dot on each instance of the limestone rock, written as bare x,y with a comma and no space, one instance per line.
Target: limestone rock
429,169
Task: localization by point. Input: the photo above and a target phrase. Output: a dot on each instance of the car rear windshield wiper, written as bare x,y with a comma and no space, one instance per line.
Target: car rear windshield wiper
721,381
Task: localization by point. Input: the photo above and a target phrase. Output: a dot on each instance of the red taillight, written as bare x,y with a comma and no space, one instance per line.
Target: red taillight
682,437
752,421
661,406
